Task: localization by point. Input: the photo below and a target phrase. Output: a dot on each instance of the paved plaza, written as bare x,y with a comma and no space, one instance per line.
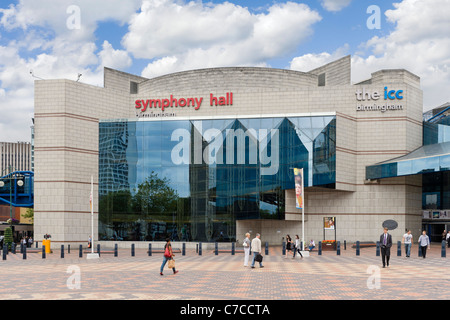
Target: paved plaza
223,277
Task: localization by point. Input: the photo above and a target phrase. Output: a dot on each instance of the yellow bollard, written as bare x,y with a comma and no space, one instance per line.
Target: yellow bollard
46,243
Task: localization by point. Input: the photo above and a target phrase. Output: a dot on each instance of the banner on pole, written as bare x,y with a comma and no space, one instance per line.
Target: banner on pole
298,176
329,223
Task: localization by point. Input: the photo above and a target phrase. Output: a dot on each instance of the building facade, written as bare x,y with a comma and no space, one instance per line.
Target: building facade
15,156
208,155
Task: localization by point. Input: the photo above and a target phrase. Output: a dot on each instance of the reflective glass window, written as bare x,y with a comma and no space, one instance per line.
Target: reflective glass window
191,180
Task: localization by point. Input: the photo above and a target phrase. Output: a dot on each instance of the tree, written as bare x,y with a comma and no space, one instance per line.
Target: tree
155,195
8,237
29,214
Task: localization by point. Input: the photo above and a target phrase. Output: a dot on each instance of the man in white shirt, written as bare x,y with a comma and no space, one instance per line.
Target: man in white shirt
256,249
407,240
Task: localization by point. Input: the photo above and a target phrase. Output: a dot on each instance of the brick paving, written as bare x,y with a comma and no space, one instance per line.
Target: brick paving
223,277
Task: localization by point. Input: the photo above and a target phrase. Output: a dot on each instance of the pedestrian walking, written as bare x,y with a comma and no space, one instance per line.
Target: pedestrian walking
448,239
168,256
89,242
444,235
407,240
297,247
256,249
424,242
288,245
386,244
246,245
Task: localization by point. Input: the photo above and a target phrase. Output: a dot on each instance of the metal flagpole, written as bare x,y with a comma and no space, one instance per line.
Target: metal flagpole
92,255
303,213
92,214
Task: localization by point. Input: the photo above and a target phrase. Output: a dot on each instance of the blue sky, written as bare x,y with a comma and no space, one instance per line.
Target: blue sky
155,37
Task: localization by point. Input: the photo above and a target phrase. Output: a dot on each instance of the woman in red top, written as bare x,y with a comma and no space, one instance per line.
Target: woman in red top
168,255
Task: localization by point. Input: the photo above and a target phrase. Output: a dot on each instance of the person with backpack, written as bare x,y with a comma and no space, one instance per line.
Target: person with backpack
168,255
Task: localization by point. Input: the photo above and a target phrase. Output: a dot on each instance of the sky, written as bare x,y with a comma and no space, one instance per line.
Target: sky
60,39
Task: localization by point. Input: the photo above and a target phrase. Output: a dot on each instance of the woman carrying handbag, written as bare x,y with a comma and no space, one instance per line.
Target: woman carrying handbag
168,256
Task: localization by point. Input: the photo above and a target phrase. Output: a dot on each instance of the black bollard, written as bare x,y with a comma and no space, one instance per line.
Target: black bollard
80,254
199,248
345,244
43,252
420,251
357,248
13,248
5,251
21,247
36,244
283,249
267,249
24,253
233,248
149,249
216,248
443,253
377,253
98,249
183,249
320,248
338,248
132,249
62,251
399,248
68,248
116,251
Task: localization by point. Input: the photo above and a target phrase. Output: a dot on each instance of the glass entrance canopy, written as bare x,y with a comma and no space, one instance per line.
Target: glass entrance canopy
426,159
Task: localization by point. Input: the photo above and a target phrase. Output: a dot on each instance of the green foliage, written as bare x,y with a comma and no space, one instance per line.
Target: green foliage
8,237
154,196
29,214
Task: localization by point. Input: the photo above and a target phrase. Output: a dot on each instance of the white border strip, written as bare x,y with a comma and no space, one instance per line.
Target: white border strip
221,117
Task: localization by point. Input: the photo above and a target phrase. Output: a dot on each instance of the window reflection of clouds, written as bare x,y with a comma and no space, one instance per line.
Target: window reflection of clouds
224,191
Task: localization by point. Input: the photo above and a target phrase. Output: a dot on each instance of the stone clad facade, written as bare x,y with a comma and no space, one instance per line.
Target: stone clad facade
67,116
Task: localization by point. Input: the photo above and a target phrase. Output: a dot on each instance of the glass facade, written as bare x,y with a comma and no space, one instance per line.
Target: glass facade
432,161
426,159
190,180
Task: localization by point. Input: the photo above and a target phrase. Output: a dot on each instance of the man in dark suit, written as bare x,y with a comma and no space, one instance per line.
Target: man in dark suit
385,246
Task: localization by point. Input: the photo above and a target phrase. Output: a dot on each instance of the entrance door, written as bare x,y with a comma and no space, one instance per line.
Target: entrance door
436,232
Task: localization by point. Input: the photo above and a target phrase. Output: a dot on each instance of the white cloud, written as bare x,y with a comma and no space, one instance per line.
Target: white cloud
248,40
54,15
311,61
16,110
167,27
116,59
335,5
62,52
419,43
17,84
